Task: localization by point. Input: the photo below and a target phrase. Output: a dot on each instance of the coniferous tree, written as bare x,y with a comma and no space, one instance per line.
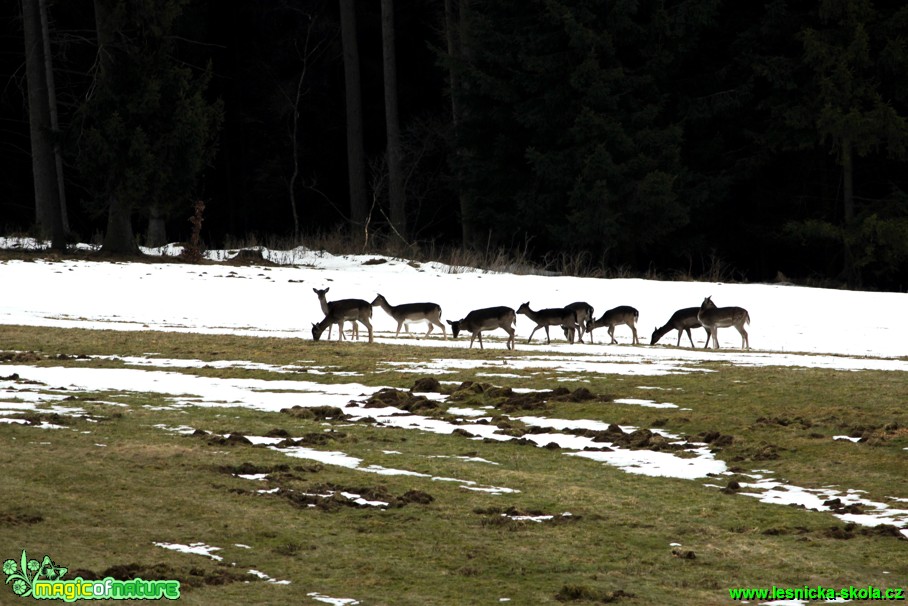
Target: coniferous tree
568,135
834,104
147,129
850,112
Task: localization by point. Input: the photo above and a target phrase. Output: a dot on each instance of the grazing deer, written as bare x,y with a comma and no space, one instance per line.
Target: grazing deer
623,314
407,313
682,320
584,312
323,301
490,318
712,318
345,310
556,316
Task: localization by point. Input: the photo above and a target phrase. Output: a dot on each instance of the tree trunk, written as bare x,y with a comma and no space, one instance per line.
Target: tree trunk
119,238
850,272
392,125
44,167
356,154
157,228
454,34
294,144
52,103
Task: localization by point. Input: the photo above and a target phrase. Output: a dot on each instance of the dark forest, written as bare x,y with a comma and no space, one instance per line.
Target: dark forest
658,137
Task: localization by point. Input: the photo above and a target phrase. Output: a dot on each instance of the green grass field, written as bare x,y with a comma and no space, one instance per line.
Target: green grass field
98,493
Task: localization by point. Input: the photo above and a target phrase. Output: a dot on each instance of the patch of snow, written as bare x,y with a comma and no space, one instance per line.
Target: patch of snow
848,438
194,548
644,403
267,578
333,601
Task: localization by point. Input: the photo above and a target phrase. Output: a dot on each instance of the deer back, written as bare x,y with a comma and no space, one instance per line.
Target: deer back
348,309
409,311
623,314
489,319
552,316
711,316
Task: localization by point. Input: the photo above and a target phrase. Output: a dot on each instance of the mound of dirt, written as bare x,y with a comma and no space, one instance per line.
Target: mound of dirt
578,593
506,400
404,400
714,438
316,413
331,497
18,357
189,578
251,468
427,384
18,519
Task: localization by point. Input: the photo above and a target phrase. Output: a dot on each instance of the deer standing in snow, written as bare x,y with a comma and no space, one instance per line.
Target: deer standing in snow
408,313
623,314
345,310
323,301
584,312
489,318
556,316
712,318
682,321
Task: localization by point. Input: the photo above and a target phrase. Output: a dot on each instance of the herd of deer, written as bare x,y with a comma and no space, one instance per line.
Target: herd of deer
575,319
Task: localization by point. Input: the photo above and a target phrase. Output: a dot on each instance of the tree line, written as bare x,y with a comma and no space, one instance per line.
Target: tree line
671,135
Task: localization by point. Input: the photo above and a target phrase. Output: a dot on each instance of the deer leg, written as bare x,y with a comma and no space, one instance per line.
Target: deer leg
634,330
368,326
548,339
428,332
745,342
689,336
611,333
443,331
510,342
480,340
532,333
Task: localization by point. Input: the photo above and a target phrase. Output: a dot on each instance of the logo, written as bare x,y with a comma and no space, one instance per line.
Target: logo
44,581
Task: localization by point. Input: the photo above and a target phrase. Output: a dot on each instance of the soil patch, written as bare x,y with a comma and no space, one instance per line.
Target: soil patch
316,413
19,519
189,578
332,497
506,400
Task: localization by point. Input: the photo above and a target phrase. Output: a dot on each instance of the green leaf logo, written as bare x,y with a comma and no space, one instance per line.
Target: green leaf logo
23,574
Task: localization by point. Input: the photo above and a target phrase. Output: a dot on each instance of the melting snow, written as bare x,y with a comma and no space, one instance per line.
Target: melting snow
334,601
195,548
201,309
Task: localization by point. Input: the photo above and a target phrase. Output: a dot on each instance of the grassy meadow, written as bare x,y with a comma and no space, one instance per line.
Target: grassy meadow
97,494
